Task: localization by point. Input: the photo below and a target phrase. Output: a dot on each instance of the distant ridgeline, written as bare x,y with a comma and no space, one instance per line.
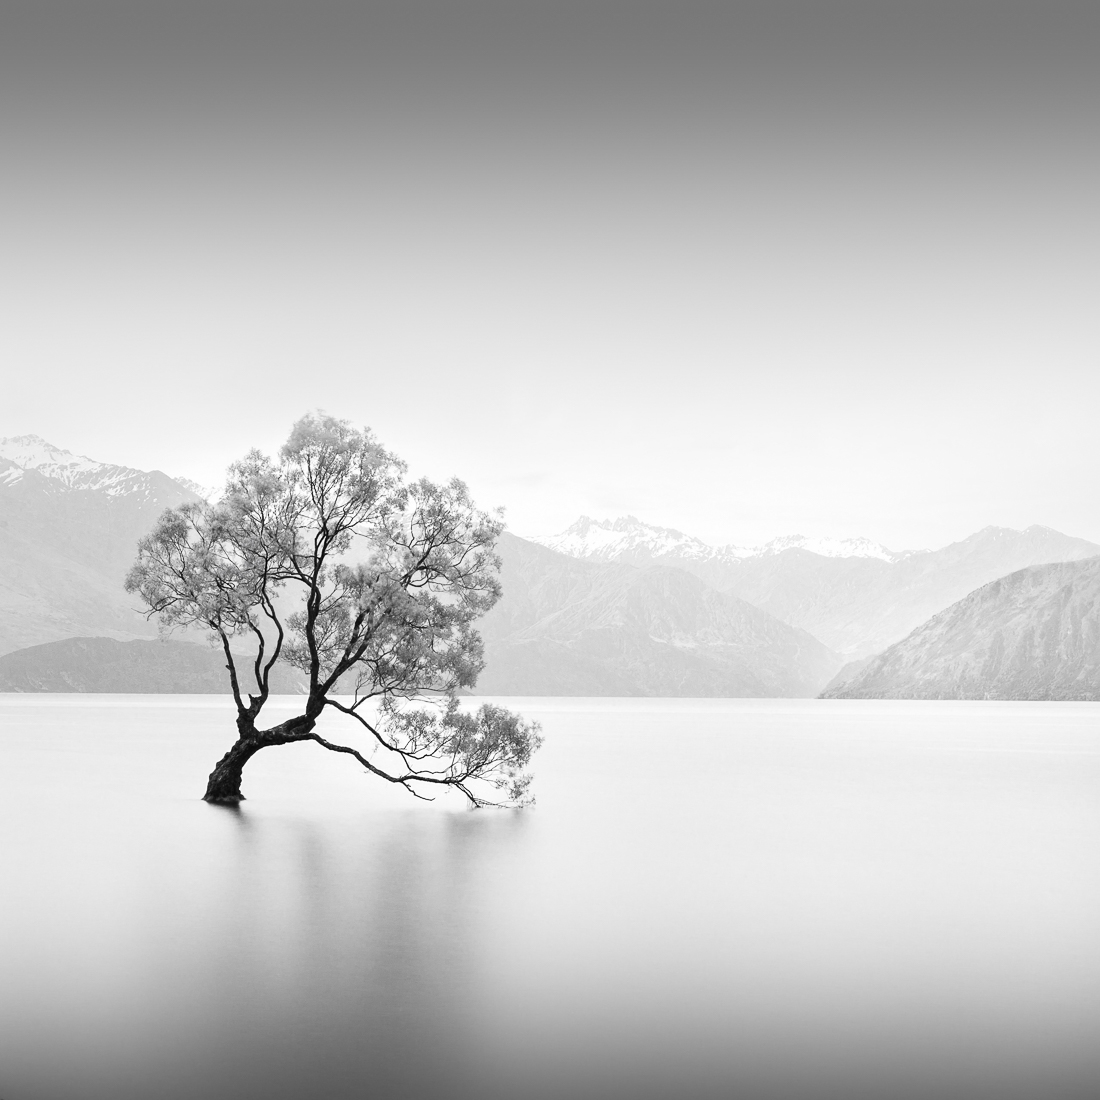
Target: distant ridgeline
604,608
138,667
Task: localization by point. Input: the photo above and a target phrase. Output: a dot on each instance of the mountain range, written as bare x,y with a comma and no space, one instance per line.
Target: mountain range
628,539
604,608
568,627
854,595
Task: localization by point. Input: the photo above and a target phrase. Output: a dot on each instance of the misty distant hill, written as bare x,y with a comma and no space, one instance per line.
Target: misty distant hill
847,673
1034,634
136,667
567,627
69,528
855,596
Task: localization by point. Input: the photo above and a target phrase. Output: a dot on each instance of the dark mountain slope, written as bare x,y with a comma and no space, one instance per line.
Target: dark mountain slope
134,667
1034,634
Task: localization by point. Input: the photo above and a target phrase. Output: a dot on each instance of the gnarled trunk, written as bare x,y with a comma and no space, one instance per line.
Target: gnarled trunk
224,784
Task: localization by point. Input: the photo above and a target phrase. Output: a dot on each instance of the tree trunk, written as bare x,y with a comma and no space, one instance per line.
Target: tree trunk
224,784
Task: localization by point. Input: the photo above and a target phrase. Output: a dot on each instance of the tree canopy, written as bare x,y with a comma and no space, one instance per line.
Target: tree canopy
330,560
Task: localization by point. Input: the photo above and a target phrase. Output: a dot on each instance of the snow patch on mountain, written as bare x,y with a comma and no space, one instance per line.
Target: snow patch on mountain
607,540
832,548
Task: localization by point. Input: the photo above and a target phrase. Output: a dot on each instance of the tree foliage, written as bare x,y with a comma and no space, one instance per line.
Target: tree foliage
329,559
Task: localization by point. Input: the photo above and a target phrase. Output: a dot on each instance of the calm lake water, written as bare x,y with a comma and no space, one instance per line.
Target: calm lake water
771,898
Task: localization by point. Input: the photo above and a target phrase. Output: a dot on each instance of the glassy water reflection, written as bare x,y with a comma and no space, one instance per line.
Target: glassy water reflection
712,898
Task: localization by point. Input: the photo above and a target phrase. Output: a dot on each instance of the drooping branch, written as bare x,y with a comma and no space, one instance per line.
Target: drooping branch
402,781
405,754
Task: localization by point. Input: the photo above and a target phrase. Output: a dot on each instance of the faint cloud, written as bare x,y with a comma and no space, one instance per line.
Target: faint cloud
529,478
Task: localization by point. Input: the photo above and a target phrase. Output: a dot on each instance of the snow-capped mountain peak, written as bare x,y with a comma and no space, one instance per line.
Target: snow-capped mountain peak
32,452
21,455
629,539
625,537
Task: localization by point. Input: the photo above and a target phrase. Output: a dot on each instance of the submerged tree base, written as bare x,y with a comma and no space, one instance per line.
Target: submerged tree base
222,799
224,784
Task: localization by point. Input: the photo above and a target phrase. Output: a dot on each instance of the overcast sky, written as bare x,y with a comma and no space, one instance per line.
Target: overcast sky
745,271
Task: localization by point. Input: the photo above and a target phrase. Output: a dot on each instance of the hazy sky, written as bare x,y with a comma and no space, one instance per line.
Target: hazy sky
741,270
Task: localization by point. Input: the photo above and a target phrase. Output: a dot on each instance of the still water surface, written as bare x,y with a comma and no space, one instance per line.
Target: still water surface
746,898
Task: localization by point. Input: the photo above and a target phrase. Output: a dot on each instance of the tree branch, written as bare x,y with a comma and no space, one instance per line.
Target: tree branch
231,665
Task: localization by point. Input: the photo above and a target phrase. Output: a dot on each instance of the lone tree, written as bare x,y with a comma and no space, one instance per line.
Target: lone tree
329,560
